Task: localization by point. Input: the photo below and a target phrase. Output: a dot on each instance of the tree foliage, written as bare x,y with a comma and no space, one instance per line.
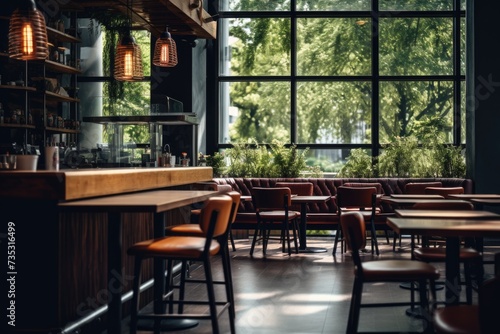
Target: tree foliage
335,110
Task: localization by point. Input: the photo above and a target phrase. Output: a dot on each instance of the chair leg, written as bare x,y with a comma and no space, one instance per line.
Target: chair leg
255,236
374,238
182,287
468,281
228,282
286,225
354,309
295,235
211,295
135,297
337,235
232,240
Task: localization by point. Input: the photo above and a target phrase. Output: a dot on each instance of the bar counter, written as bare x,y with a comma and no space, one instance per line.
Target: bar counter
70,184
59,271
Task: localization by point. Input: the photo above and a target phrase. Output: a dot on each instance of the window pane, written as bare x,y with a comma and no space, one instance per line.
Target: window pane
416,5
259,110
333,112
416,46
254,5
255,47
334,46
333,5
462,46
463,113
329,161
404,104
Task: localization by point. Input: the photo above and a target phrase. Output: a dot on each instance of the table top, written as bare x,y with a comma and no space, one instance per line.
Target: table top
150,201
413,200
485,201
310,199
446,227
447,214
417,196
475,196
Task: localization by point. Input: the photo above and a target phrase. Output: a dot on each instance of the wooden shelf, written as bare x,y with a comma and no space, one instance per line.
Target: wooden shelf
22,88
61,68
17,126
60,98
61,130
166,118
61,36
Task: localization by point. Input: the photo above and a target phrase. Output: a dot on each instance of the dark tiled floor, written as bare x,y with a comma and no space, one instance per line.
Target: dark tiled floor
307,293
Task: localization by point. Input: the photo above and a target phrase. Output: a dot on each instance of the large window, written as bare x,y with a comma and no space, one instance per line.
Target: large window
335,75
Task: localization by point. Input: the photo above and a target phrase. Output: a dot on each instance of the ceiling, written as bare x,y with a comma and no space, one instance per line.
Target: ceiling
183,17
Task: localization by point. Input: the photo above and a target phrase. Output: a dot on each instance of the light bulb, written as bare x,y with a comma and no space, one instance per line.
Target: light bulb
128,68
28,39
165,50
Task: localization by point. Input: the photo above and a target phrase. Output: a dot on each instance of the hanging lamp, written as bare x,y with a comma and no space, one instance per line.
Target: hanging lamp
165,54
128,59
27,33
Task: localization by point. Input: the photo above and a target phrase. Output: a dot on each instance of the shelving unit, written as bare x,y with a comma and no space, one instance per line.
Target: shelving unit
36,100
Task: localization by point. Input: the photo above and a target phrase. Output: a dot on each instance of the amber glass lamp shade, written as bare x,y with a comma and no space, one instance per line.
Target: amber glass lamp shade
128,61
165,54
28,33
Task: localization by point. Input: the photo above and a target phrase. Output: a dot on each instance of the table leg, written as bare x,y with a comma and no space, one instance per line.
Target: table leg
302,233
452,271
114,269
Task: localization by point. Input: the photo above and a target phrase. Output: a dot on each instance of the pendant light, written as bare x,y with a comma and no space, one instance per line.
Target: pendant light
28,33
165,54
128,59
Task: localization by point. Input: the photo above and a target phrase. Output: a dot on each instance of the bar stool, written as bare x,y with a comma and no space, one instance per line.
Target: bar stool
214,220
196,231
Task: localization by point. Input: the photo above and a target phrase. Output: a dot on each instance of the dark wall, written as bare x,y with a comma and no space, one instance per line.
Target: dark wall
483,97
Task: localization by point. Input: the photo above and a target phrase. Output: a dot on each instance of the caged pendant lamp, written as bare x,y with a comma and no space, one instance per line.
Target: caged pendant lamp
27,33
128,59
165,54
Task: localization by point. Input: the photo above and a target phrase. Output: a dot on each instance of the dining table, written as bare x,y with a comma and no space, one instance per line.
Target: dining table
157,202
479,200
401,202
452,229
303,201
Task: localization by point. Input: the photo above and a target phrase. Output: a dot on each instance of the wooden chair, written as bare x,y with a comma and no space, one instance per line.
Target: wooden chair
362,199
468,256
272,207
444,191
214,221
354,227
196,230
472,319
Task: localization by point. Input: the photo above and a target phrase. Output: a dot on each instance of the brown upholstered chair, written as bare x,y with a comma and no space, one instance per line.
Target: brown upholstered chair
354,226
419,187
225,188
272,207
481,318
444,191
214,221
468,256
362,199
297,188
195,229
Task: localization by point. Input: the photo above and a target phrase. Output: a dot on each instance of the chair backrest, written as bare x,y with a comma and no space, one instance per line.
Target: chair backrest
444,191
419,187
298,188
271,198
356,197
221,206
434,205
354,229
236,197
377,185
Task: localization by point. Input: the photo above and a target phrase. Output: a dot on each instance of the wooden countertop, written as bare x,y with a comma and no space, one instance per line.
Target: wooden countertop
76,184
